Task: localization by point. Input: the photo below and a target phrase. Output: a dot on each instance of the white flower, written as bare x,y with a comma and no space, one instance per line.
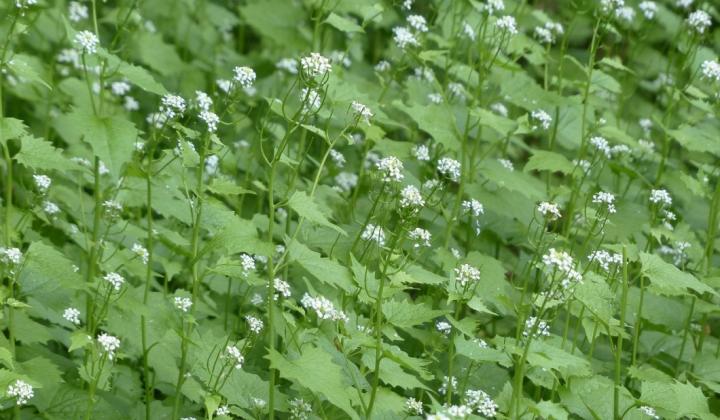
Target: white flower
443,327
450,168
373,233
244,76
499,109
362,111
50,208
648,411
338,158
448,382
418,23
507,164
141,252
290,65
420,236
324,309
648,9
182,303
112,208
72,315
203,100
541,117
87,42
601,145
223,410
407,4
391,169
711,70
211,119
21,4
315,65
255,324
493,6
77,11
481,401
115,280
547,33
542,329
346,181
21,391
605,259
311,100
421,152
625,13
42,182
549,210
109,344
171,105
11,256
466,274
684,3
435,98
120,88
700,21
299,409
507,24
473,207
247,263
382,66
234,353
224,85
212,163
661,197
468,31
605,198
410,197
414,406
130,104
457,91
403,37
282,288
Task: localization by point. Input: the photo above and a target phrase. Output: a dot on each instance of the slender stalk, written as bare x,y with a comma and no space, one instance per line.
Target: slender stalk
618,350
148,280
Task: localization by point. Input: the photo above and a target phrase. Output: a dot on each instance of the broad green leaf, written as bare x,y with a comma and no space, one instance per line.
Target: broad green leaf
405,313
111,138
542,160
676,400
324,269
40,154
21,66
435,120
666,279
304,205
343,24
316,371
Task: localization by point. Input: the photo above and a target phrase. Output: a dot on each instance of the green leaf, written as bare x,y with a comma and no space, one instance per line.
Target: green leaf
304,205
40,154
701,137
406,314
79,339
47,269
343,24
666,279
324,269
316,371
11,128
111,138
680,400
435,120
542,160
137,75
225,186
21,66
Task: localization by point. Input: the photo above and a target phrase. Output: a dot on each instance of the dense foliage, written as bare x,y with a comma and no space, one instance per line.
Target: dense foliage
363,209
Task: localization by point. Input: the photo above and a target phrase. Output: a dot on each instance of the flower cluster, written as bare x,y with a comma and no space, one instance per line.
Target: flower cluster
420,237
411,198
391,169
234,353
323,308
605,259
115,280
466,274
182,303
542,118
109,344
373,233
87,42
315,66
449,168
72,315
606,199
21,391
255,324
541,330
550,211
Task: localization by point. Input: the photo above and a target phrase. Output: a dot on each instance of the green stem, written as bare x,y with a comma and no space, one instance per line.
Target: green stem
618,350
148,280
